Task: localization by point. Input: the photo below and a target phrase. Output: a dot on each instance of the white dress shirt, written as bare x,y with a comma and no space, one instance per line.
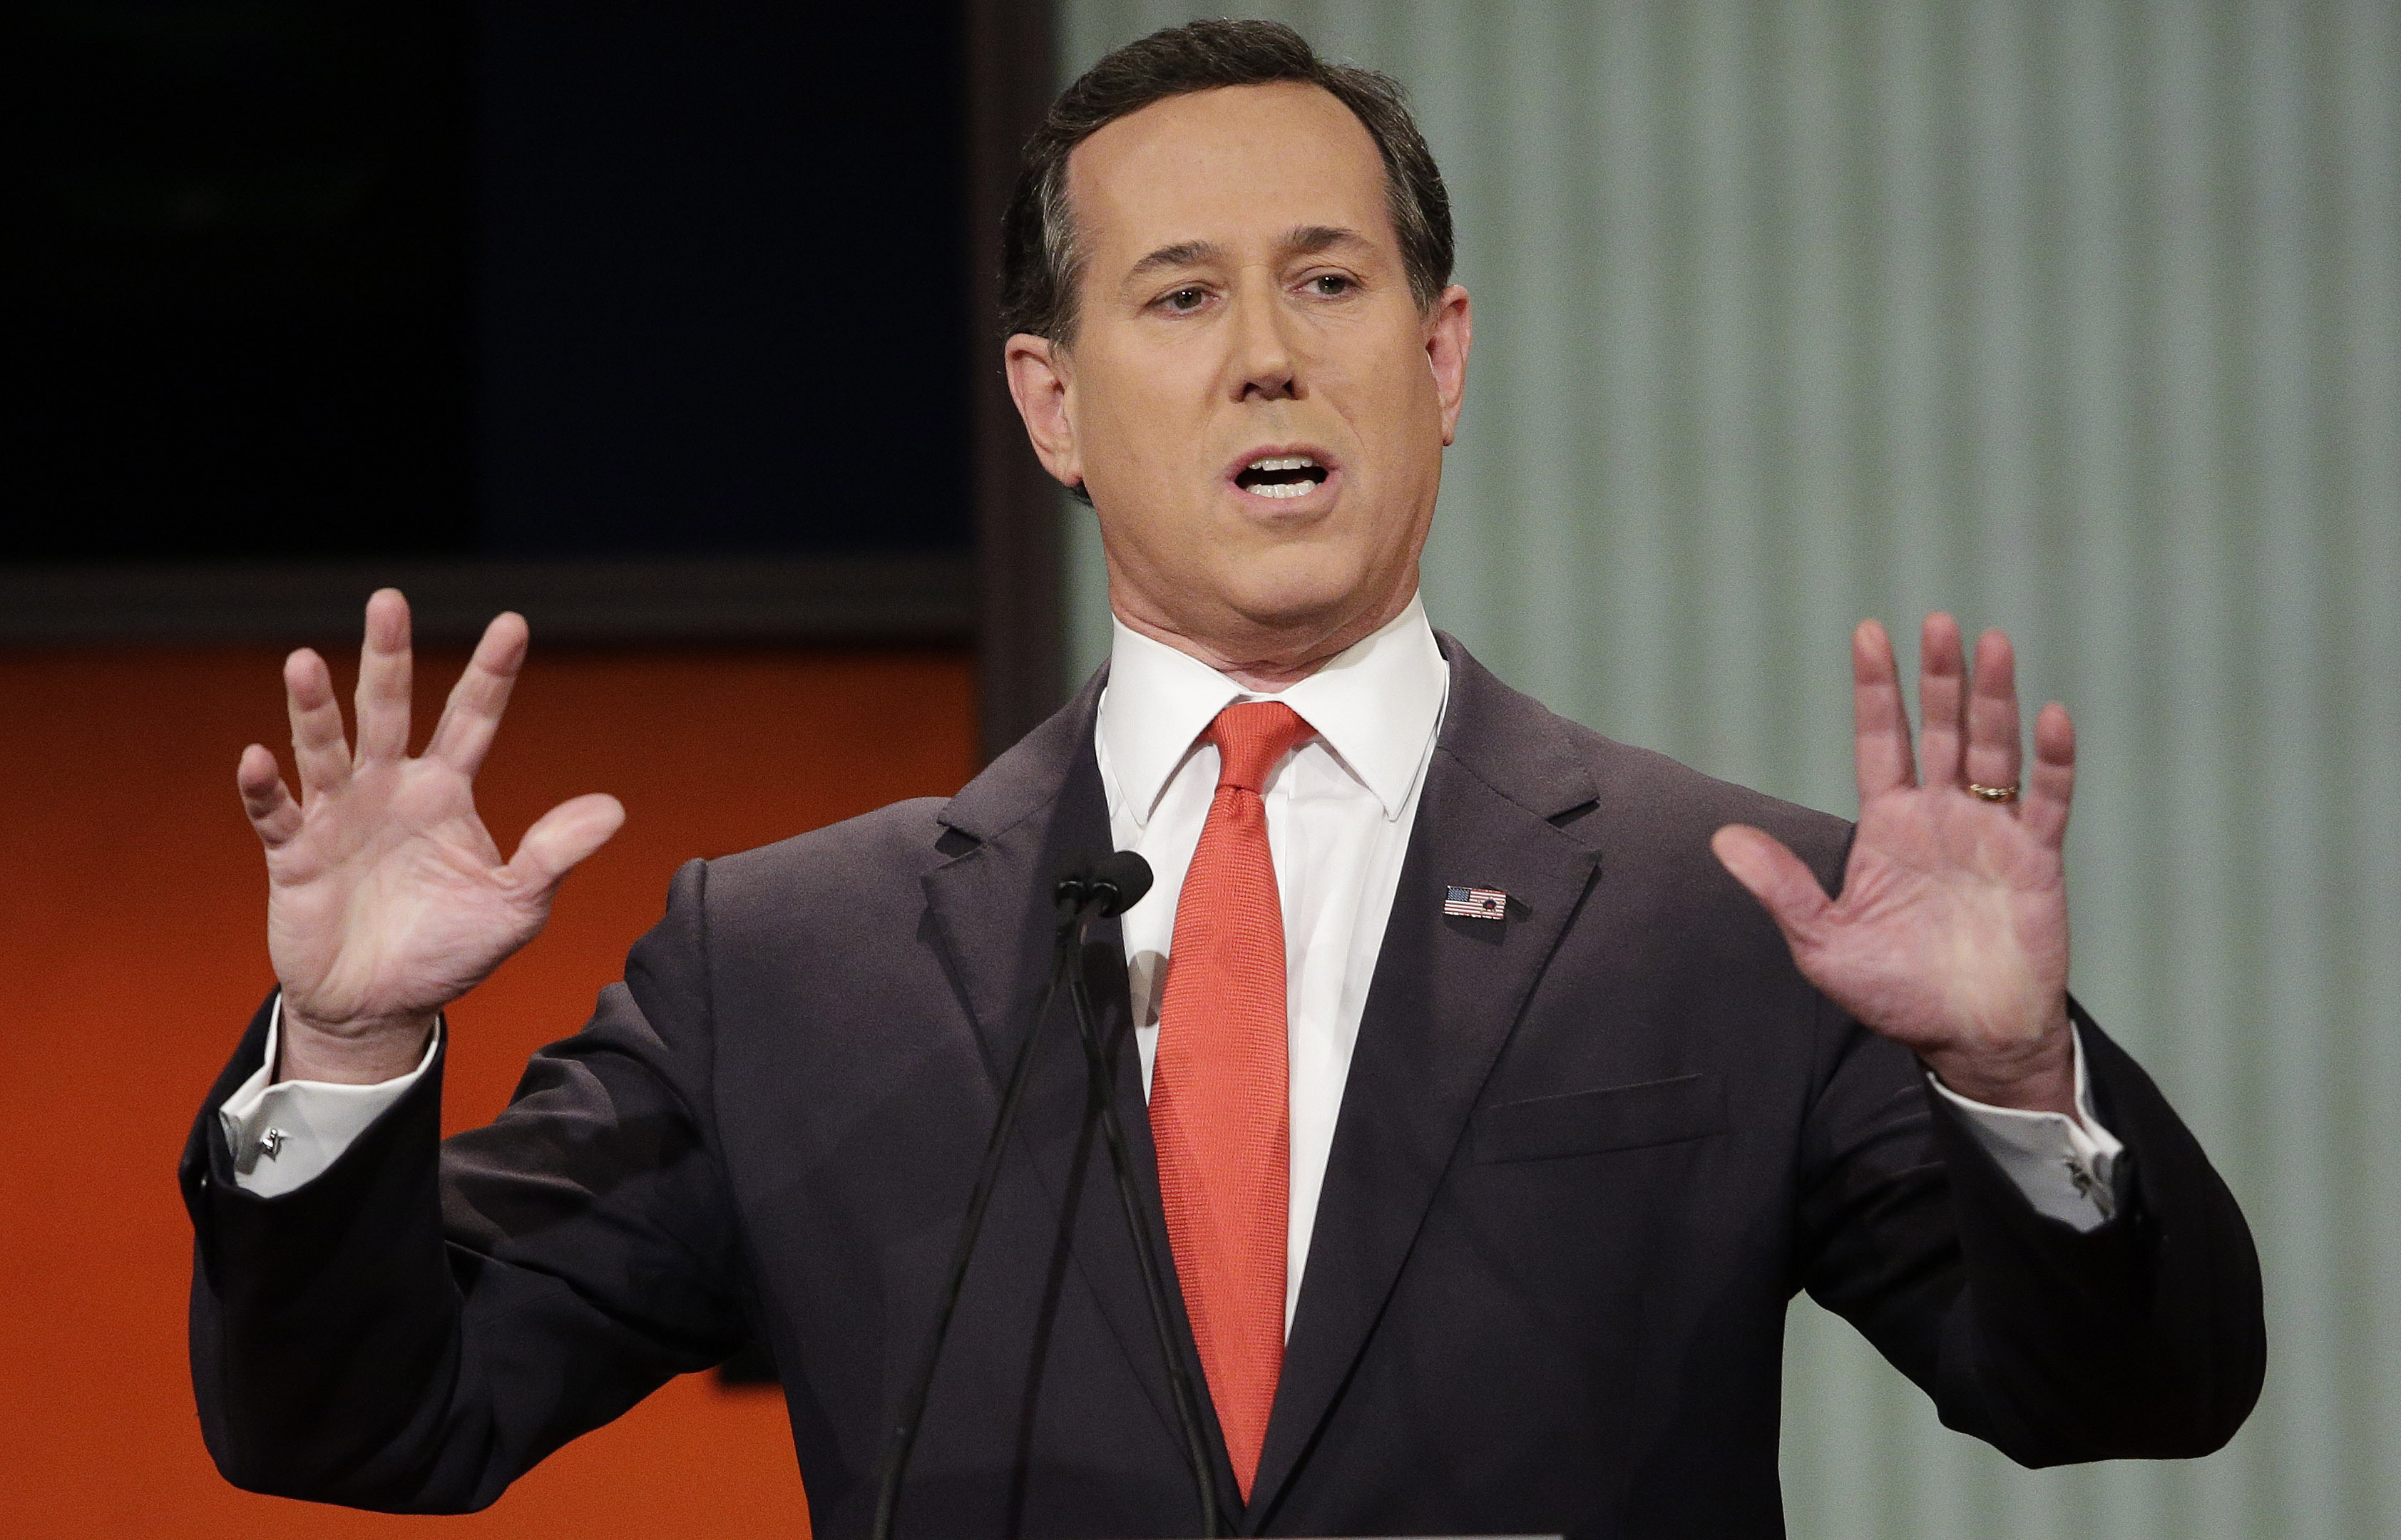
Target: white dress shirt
1339,809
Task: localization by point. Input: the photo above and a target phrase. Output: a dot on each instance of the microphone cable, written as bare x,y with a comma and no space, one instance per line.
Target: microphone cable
1112,886
1099,1070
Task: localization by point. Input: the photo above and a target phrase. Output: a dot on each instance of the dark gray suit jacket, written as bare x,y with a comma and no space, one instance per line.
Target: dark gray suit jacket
1584,1158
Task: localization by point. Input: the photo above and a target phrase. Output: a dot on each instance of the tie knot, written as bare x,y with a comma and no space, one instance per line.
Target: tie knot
1251,738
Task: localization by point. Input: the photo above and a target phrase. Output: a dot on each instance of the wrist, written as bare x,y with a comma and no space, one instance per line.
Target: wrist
352,1052
2034,1075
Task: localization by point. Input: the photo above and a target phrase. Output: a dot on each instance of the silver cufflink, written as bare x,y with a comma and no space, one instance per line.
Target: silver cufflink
270,1142
2091,1189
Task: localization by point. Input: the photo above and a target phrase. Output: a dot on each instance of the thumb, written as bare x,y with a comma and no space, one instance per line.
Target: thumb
563,837
1774,875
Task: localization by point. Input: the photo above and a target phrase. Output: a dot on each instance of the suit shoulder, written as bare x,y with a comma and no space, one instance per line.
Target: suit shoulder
1632,800
864,858
1646,795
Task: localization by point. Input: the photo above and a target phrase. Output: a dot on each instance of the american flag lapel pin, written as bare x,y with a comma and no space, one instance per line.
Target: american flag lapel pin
1476,902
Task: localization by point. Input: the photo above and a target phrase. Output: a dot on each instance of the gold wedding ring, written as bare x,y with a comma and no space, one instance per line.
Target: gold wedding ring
1993,794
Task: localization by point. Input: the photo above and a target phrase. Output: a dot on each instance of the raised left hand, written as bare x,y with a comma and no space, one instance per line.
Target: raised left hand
1950,932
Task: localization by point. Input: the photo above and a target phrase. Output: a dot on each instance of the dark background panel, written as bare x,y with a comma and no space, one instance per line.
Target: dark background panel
722,291
240,323
366,277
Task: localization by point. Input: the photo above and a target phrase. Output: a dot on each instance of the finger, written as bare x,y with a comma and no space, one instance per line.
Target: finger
1879,716
264,797
1942,688
317,743
1775,877
2050,785
383,680
564,836
1993,751
473,713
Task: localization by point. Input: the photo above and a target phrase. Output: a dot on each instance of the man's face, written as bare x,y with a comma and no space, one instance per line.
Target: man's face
1253,398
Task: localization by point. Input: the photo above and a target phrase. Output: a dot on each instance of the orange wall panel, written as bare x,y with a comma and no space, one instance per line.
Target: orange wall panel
133,950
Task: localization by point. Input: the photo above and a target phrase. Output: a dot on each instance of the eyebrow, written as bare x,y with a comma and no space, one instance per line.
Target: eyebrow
1183,253
1310,240
1300,241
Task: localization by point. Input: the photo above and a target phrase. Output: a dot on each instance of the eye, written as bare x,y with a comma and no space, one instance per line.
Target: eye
1185,300
1331,285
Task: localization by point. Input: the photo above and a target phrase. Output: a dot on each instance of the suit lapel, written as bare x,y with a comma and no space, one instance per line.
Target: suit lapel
1447,992
1035,814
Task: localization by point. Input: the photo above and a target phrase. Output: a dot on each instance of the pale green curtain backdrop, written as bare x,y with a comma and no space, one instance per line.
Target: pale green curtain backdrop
2080,320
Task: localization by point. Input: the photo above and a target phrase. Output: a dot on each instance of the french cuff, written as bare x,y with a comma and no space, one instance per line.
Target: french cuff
2063,1165
283,1134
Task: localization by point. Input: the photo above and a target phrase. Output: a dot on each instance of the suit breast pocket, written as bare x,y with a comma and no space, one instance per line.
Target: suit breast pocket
1615,1117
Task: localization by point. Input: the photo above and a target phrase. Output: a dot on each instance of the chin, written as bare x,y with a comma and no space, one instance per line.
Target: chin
1292,591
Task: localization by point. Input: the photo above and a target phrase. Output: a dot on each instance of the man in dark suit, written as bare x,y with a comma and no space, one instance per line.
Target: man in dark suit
1490,1122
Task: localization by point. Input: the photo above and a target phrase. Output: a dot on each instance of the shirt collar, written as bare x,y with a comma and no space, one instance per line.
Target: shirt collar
1376,705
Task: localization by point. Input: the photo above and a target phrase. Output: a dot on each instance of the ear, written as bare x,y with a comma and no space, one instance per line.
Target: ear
1449,333
1038,382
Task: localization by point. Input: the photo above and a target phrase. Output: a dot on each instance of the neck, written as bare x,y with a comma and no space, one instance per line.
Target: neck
1273,661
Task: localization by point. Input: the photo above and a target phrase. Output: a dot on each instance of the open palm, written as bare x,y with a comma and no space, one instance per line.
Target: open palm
387,898
1951,932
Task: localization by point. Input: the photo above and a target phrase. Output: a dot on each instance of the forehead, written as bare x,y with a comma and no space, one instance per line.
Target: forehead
1214,165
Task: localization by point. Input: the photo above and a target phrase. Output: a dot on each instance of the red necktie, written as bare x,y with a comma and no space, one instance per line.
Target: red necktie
1220,1113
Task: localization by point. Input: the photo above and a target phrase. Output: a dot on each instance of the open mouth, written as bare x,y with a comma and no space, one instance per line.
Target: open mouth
1282,476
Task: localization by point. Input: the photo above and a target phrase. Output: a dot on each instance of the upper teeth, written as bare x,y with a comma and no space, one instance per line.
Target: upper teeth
1288,462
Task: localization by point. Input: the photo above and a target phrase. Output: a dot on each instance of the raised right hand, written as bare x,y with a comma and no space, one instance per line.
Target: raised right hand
386,897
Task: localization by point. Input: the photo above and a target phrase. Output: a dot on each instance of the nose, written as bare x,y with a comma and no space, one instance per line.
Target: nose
1264,367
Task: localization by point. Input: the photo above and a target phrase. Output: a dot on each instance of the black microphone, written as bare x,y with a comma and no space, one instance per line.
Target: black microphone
1108,886
1115,884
